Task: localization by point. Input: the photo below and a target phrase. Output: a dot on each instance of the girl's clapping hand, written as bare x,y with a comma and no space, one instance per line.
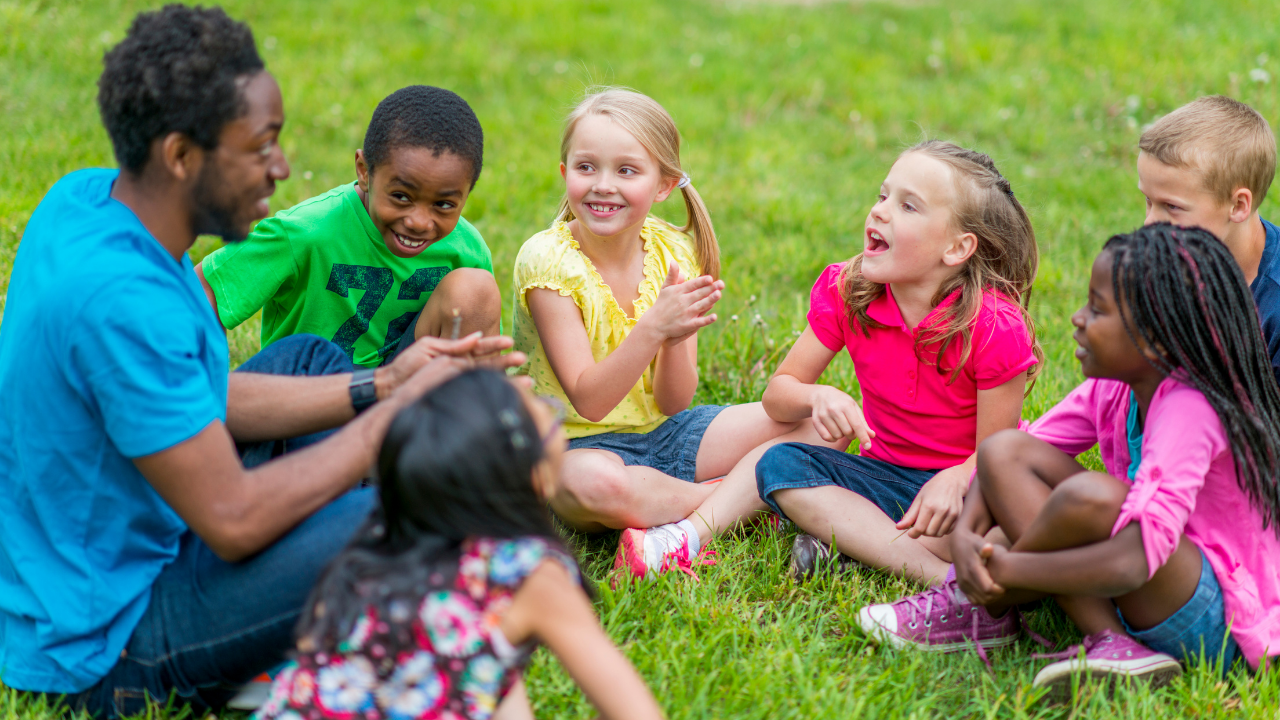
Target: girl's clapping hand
836,415
682,306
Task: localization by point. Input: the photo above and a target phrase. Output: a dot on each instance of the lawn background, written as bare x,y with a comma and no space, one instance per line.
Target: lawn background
792,113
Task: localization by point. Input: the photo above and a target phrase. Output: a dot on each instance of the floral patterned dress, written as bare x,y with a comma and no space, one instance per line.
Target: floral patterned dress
461,665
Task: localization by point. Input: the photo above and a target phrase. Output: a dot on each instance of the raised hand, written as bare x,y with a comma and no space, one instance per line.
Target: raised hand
682,306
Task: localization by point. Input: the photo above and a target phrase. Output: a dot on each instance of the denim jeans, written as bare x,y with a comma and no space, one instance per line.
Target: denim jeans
213,625
795,465
1198,630
670,448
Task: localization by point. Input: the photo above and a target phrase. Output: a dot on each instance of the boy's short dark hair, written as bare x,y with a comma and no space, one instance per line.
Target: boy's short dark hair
175,71
426,117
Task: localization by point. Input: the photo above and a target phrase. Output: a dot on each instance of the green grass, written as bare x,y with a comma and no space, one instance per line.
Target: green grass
792,114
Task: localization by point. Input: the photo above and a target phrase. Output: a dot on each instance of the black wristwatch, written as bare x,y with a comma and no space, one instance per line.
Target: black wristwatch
363,392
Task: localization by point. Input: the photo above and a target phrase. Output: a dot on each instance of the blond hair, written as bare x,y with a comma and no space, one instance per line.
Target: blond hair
1227,141
651,125
1005,260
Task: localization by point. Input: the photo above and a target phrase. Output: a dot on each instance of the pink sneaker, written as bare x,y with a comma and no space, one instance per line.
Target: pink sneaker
1109,657
646,553
940,619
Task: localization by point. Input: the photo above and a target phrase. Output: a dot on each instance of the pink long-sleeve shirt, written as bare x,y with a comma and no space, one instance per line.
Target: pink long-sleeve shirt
1186,485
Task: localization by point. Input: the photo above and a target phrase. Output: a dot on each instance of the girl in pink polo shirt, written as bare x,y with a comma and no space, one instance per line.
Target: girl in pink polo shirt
1171,553
933,314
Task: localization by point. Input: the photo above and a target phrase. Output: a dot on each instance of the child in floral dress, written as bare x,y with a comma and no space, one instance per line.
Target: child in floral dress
436,607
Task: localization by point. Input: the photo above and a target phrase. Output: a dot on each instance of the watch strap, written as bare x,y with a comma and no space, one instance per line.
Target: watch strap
363,392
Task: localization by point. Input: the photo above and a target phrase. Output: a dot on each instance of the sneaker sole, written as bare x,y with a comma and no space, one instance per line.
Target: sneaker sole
881,634
631,554
1061,681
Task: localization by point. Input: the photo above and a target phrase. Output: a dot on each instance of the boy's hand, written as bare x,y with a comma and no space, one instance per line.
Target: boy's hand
682,306
472,350
836,415
938,504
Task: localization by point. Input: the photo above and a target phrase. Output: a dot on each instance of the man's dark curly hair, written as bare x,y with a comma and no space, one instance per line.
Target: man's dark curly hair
425,117
175,71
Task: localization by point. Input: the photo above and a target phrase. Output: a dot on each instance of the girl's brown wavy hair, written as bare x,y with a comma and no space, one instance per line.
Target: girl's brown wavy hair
1005,260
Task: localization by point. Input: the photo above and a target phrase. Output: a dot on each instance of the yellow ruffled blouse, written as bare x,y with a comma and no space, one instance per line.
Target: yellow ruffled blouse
553,260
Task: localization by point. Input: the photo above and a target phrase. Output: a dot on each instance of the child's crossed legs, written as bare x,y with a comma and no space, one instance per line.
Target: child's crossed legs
598,491
1045,501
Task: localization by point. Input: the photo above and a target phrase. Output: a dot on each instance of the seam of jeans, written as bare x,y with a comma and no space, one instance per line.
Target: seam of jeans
216,641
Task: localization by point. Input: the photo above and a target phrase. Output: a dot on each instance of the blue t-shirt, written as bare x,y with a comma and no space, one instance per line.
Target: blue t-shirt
108,351
1266,295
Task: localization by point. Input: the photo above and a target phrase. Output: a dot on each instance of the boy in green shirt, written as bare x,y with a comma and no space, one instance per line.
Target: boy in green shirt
385,259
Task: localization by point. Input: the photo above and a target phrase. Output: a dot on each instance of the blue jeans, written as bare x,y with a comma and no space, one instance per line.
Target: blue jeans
1198,627
670,448
213,625
795,465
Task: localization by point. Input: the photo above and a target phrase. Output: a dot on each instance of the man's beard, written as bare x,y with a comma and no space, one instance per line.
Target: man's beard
213,213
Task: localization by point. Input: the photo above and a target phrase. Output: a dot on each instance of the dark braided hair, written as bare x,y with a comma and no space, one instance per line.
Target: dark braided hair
457,463
1187,300
426,117
175,71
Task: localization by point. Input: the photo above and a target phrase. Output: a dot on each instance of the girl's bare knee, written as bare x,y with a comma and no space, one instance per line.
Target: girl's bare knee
1092,499
598,483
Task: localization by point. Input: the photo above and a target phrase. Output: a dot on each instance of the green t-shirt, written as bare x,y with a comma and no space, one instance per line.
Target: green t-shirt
321,267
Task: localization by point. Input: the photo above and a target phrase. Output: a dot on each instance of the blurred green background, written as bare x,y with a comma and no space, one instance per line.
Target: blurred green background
791,113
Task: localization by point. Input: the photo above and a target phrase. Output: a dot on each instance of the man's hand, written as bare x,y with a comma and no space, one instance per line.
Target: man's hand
938,504
474,350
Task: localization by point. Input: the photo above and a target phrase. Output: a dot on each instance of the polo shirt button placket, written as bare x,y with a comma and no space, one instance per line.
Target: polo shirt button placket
911,391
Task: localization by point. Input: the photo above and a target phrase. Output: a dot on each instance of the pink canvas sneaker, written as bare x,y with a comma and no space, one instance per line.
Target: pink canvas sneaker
940,619
646,553
1108,657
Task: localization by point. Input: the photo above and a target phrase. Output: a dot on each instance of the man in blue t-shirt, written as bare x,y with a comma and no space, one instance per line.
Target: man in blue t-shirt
138,555
1210,163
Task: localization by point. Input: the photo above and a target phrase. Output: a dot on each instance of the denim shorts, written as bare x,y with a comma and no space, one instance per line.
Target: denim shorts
1200,624
796,465
670,448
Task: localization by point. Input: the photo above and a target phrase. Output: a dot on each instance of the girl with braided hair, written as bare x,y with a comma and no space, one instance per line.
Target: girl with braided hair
933,314
1171,553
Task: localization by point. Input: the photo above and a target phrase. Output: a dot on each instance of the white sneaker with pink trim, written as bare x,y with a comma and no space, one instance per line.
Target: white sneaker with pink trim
1106,656
651,552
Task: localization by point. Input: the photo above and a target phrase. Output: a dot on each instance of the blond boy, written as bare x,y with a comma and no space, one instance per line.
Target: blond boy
1209,163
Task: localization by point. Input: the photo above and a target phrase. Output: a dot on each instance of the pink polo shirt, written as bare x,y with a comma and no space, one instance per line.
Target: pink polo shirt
1186,485
920,420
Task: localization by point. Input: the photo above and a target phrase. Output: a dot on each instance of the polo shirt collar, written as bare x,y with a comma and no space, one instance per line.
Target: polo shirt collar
884,310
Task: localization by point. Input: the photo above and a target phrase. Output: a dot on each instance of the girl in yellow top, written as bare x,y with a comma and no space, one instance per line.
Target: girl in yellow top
608,304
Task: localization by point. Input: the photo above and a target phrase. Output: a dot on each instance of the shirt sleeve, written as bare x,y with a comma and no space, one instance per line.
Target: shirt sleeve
1002,344
1071,425
827,310
245,275
144,370
478,254
541,263
1267,299
1181,438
